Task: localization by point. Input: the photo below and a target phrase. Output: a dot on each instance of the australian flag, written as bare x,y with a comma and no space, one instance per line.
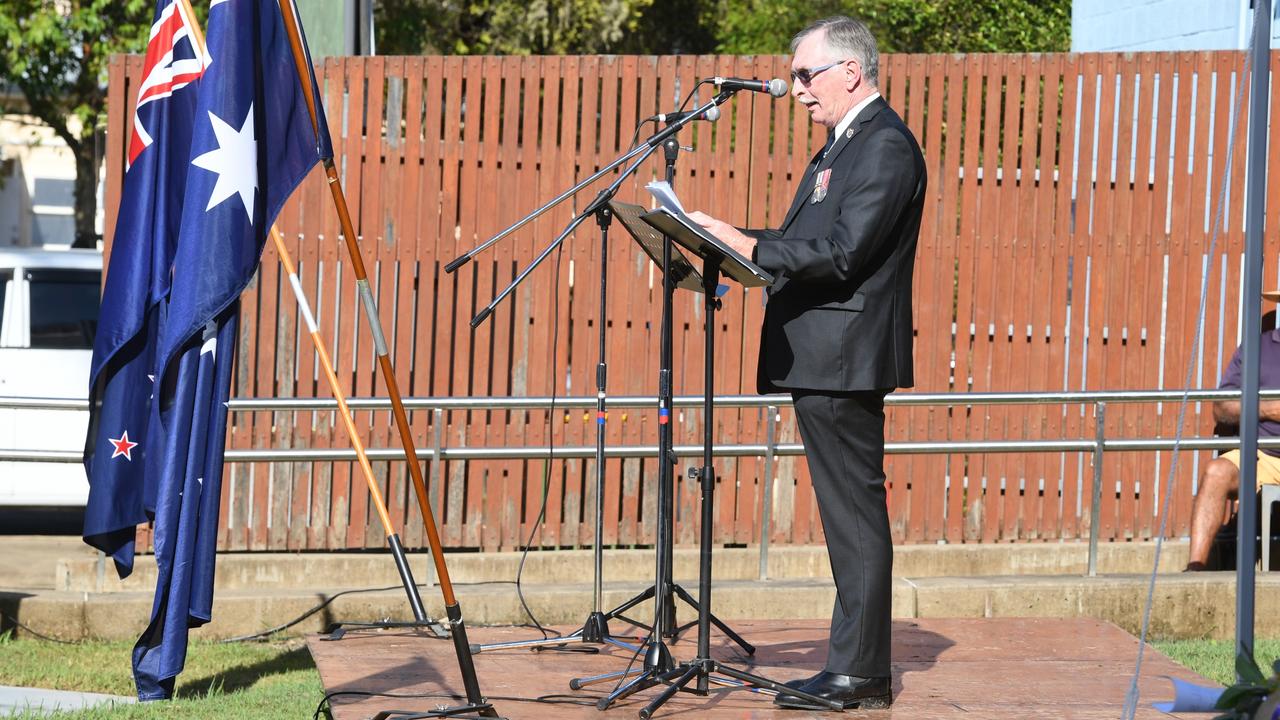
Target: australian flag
250,140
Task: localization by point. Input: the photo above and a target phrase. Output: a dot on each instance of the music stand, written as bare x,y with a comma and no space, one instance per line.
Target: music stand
683,273
695,238
717,258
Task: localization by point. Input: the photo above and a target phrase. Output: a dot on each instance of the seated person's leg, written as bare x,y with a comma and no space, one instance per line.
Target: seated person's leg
1212,509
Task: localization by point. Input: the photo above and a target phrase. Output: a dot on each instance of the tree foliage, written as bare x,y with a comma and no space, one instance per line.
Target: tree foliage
56,54
506,27
914,26
737,27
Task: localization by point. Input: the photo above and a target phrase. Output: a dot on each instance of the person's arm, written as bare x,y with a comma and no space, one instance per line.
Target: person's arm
1227,412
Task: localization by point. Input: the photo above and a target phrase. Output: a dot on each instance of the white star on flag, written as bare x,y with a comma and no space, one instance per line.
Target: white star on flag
235,162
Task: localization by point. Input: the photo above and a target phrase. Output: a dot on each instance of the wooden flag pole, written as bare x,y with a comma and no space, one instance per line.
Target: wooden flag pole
397,550
453,611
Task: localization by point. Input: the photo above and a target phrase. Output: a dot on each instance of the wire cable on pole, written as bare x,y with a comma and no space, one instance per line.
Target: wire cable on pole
1131,697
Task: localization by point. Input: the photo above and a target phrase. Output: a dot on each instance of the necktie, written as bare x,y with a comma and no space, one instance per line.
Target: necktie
831,140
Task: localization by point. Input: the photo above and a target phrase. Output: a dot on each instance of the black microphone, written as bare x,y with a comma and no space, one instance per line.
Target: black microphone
774,87
711,114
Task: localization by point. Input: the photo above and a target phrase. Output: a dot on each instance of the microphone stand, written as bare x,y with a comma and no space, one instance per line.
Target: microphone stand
596,628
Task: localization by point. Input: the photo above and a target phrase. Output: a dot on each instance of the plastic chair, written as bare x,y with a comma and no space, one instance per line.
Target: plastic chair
1269,496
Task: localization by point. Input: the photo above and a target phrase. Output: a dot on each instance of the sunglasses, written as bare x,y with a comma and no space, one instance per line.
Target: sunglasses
804,76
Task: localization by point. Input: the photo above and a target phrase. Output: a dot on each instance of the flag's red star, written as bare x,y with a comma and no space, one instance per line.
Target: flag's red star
123,446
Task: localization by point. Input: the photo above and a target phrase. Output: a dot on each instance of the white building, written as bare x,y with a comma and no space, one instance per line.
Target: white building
1137,25
37,181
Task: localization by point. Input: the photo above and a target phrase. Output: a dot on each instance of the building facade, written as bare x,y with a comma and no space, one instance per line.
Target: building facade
1152,25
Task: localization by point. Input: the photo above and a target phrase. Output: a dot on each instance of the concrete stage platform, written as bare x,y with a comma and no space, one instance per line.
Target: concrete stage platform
1072,669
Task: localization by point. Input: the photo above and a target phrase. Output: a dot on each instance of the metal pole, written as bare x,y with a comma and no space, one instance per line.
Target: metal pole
1255,215
453,610
604,216
766,497
375,495
1095,510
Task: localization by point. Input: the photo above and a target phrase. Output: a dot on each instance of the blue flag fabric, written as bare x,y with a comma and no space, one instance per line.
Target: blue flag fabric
124,352
252,143
248,141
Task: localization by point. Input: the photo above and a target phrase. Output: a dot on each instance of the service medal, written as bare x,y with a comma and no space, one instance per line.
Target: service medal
820,184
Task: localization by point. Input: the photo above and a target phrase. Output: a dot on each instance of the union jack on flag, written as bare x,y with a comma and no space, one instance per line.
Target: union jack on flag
167,67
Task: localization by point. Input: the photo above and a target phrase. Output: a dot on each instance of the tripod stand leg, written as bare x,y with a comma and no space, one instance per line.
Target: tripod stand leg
619,644
686,676
579,683
748,647
575,636
645,680
776,687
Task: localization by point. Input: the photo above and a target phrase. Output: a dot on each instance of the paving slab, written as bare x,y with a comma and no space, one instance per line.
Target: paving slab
14,700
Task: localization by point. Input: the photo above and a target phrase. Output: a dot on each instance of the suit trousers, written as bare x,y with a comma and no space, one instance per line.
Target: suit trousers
843,435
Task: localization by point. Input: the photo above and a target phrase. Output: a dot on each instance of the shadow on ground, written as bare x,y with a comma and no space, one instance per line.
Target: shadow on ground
246,676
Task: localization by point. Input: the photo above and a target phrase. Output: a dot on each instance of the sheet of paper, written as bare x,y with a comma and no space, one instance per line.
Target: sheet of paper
1189,698
665,195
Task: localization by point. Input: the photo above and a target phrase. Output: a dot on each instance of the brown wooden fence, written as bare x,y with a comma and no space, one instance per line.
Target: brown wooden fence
1068,226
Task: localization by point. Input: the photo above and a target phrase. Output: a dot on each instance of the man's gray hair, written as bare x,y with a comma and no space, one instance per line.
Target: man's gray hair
847,38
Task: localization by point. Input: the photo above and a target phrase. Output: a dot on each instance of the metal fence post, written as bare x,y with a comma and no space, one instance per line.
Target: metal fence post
1100,415
766,498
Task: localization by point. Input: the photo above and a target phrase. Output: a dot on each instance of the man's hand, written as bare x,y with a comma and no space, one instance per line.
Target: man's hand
743,244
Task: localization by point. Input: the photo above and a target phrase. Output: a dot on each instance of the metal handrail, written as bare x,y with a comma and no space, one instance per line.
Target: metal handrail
627,401
632,451
770,450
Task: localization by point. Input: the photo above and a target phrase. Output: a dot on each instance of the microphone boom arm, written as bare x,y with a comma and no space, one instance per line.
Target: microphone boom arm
644,149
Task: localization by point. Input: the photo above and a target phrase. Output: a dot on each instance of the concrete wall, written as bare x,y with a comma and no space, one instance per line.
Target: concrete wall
1136,25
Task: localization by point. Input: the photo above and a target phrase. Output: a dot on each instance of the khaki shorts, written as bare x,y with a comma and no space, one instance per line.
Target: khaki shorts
1268,466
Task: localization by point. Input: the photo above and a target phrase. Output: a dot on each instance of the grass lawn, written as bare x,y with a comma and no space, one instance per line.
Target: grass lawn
1215,659
231,681
278,679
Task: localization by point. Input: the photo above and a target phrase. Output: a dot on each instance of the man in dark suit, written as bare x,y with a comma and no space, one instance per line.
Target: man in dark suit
837,332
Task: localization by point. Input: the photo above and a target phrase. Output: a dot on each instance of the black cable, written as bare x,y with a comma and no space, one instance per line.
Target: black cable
552,699
268,633
16,623
551,444
635,137
264,634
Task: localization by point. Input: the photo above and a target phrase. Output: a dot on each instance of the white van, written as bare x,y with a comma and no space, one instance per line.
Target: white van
48,315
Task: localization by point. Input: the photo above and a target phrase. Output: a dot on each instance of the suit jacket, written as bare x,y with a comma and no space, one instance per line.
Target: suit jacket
838,317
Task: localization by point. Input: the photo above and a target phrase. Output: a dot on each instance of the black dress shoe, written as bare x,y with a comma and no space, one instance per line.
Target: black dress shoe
801,681
849,690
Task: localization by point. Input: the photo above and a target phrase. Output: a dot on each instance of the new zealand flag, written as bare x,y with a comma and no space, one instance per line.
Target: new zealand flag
250,141
122,375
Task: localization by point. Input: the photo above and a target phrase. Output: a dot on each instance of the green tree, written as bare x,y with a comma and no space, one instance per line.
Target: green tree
736,27
56,53
506,27
752,27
